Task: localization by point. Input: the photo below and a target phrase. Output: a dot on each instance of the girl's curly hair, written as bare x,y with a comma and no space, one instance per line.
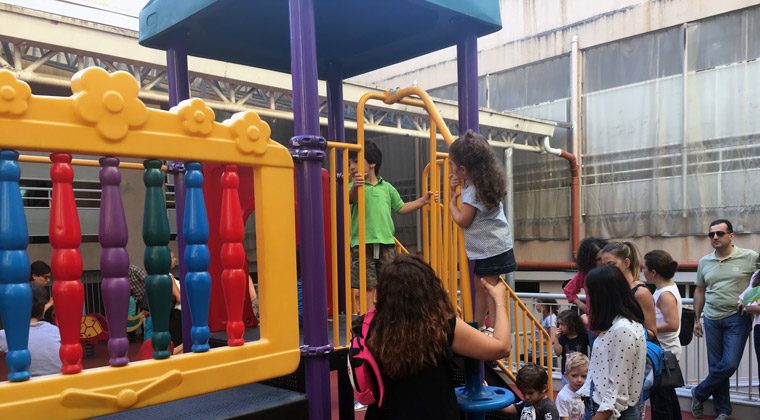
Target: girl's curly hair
409,331
472,152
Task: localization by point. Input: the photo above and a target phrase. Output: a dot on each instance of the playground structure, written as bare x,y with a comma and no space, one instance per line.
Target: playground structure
104,118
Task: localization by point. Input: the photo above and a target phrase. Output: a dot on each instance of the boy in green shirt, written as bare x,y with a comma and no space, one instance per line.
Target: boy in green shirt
380,200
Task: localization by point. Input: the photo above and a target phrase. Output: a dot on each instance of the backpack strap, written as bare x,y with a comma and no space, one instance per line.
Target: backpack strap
366,324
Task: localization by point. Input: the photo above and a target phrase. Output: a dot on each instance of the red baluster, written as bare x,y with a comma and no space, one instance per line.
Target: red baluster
66,262
234,277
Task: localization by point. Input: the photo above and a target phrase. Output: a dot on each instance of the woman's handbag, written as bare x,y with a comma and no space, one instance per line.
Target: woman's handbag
687,326
671,376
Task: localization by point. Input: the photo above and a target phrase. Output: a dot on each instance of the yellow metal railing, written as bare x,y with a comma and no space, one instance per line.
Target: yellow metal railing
531,343
442,240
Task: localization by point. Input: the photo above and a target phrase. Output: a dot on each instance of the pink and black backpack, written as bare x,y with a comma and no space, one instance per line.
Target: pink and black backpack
362,368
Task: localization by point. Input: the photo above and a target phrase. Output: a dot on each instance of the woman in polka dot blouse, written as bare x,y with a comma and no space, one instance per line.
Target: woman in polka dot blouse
616,372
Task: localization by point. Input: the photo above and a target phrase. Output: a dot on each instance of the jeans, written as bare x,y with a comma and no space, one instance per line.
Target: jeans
757,345
726,339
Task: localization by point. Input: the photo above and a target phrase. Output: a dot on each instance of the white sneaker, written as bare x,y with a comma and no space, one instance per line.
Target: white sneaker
359,406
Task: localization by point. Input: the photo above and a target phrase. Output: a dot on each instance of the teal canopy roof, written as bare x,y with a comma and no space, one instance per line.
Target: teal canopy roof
356,35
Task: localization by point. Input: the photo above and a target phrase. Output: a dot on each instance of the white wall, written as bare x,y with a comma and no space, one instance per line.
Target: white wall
534,30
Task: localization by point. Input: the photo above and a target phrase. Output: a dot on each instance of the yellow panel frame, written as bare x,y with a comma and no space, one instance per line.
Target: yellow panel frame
104,117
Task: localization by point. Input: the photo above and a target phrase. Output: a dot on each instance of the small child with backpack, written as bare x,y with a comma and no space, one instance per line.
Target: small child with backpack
533,382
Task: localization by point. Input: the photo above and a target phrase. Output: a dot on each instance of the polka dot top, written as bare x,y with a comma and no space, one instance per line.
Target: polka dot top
617,367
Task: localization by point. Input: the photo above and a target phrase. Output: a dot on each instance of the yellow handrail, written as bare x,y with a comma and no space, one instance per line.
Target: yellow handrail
535,345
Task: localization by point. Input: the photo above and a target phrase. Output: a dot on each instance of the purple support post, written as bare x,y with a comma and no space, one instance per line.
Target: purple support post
467,83
336,132
114,260
308,150
179,90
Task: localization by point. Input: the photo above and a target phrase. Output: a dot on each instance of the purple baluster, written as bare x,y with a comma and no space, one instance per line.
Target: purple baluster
114,260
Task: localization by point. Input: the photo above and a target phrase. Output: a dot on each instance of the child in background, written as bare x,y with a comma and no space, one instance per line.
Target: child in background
487,238
571,337
548,309
533,382
381,200
44,337
569,403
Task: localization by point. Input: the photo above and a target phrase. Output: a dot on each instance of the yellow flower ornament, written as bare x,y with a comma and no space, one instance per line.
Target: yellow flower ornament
252,134
197,117
14,94
109,101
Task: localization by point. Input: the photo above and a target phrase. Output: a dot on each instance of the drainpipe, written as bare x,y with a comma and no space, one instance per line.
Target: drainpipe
509,172
575,193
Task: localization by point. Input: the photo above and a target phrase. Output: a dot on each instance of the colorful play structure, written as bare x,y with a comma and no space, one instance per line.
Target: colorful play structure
222,171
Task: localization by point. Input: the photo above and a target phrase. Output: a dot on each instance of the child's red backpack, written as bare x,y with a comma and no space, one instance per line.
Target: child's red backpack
362,368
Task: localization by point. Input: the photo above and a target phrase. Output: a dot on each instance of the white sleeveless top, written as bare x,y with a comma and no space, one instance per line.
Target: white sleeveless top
669,341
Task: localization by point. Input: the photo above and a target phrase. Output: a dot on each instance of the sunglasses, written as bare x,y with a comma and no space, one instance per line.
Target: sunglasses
718,233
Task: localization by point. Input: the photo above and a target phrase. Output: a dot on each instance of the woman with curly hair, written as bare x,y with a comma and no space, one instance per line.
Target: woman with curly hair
413,336
487,238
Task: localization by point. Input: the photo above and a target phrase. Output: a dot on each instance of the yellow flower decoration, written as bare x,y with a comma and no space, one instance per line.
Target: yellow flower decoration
14,94
197,117
109,101
252,134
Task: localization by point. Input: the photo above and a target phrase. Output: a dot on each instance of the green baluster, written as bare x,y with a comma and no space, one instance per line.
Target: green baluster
158,283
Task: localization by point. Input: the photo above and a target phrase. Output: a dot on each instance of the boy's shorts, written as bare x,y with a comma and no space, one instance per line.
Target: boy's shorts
377,256
497,265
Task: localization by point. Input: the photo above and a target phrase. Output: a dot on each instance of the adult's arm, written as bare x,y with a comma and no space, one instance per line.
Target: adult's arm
572,288
646,302
472,343
699,304
671,318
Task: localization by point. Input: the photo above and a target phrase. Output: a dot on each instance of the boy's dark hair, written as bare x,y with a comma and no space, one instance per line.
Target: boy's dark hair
588,250
372,154
532,376
39,298
574,323
610,297
38,268
728,224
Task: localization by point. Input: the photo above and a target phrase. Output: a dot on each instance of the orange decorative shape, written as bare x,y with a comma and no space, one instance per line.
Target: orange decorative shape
252,134
197,117
14,94
109,101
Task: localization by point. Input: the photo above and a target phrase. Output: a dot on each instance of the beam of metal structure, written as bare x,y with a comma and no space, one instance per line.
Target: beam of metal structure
47,49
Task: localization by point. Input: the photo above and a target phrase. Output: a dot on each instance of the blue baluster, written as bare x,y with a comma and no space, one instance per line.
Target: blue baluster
198,279
15,292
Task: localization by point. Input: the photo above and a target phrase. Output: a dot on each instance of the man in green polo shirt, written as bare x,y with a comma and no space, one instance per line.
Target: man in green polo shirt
722,276
380,200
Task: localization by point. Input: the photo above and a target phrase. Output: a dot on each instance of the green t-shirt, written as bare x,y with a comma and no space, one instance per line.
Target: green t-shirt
380,201
724,280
